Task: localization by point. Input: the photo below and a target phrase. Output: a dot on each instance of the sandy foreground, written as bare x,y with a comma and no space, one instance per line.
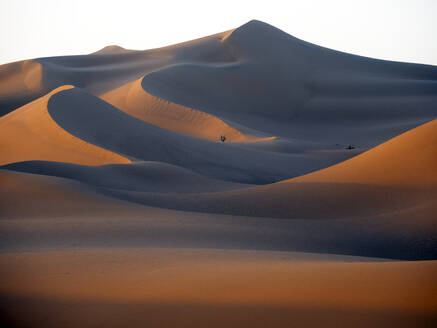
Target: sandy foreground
244,179
197,287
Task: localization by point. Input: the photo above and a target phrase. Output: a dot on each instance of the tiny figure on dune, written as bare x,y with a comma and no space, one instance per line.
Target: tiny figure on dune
223,138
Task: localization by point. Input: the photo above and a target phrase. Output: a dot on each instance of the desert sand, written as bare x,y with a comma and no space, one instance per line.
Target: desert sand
120,206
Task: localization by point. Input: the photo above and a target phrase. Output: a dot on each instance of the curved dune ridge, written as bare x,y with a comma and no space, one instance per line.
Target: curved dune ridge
30,133
98,122
135,101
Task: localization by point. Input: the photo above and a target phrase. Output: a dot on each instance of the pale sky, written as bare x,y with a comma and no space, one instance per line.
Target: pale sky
402,30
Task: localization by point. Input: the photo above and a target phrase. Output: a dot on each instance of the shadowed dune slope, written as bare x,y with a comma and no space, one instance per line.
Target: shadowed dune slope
102,71
258,77
95,121
135,101
399,174
139,176
279,77
30,133
42,212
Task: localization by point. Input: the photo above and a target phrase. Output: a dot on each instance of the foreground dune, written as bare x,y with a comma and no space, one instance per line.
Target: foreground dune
43,212
194,288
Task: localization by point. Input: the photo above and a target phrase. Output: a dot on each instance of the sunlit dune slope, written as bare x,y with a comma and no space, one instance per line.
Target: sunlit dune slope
30,133
409,160
135,101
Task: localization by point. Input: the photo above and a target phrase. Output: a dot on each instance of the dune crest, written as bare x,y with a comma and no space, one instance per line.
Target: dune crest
134,100
30,133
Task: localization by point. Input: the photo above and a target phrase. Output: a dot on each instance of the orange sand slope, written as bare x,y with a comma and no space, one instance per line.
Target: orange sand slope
409,160
30,133
135,101
194,288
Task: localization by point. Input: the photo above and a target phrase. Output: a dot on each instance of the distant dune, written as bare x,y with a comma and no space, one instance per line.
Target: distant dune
246,179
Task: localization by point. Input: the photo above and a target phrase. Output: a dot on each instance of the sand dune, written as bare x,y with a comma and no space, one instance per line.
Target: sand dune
396,175
30,133
135,101
120,206
64,214
317,91
97,122
105,70
409,160
113,49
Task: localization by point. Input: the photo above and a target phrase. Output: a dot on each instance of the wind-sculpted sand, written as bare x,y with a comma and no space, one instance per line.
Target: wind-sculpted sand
30,133
121,205
135,101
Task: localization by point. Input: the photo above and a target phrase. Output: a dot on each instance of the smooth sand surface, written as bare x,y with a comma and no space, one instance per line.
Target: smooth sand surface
395,176
30,133
245,288
121,207
134,100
